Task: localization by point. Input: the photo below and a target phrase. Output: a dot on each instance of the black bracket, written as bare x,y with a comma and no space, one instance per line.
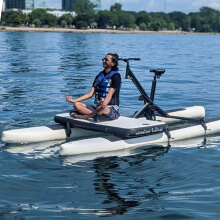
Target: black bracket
68,129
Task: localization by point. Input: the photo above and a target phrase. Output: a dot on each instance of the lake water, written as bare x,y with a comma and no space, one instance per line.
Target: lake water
180,182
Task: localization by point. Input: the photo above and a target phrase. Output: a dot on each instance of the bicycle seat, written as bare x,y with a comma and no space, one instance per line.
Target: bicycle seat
158,71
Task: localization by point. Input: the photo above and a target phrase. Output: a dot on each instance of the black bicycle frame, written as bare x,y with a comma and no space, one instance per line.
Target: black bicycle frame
149,105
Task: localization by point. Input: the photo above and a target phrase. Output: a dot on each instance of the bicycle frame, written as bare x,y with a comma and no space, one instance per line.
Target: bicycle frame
149,108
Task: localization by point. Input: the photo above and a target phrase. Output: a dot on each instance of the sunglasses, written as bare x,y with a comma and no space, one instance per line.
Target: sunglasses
105,59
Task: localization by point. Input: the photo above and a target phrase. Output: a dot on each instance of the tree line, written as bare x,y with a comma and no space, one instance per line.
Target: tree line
206,20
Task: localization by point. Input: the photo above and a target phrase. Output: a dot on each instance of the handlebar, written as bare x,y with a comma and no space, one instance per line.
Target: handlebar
127,59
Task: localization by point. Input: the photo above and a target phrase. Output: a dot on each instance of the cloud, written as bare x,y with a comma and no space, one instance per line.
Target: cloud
211,3
197,4
215,5
152,4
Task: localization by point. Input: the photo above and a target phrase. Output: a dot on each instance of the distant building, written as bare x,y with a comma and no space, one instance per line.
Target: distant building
57,13
67,5
3,6
39,4
25,4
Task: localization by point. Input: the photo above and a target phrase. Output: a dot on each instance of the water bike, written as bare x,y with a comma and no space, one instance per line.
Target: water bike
150,125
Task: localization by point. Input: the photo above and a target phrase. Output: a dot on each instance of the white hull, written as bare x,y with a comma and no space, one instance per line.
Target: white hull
147,151
57,132
42,133
112,143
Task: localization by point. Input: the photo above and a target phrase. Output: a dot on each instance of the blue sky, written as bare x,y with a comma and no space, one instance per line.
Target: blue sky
167,6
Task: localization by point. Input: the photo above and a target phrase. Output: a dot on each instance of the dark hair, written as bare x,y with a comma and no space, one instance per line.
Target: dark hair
115,60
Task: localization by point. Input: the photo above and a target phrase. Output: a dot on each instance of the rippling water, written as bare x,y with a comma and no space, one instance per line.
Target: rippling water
180,182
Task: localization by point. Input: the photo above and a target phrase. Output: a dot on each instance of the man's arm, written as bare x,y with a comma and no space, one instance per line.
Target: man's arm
82,98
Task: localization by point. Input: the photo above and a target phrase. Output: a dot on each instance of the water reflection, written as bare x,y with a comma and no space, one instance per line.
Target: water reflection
34,150
121,191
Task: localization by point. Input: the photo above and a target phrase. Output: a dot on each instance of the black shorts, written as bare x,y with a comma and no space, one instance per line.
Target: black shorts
113,114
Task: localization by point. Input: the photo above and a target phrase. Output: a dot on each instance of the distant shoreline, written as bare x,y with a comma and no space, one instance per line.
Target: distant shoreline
69,30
